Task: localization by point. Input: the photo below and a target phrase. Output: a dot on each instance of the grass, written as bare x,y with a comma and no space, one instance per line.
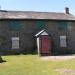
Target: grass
33,65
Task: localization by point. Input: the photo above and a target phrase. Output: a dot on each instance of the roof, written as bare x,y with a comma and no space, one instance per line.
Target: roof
35,15
42,32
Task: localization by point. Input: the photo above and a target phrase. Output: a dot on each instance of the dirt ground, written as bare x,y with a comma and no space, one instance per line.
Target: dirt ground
63,71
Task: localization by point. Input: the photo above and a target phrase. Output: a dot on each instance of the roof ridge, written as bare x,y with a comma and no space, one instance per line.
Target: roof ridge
30,11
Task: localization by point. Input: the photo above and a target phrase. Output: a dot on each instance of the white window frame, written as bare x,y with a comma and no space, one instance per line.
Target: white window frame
15,42
63,42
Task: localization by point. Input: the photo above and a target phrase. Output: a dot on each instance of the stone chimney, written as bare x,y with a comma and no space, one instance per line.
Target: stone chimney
67,10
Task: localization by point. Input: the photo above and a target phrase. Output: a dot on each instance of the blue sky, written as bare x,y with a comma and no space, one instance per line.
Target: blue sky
38,5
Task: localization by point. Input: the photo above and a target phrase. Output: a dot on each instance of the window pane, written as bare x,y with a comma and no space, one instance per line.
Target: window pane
15,42
14,25
63,41
40,24
62,25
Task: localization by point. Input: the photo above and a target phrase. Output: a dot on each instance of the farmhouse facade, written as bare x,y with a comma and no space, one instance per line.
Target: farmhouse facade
18,30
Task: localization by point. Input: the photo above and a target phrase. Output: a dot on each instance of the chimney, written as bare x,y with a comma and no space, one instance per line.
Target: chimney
67,10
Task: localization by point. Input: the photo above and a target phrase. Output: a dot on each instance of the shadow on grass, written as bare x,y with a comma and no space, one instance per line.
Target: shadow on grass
34,52
63,54
1,60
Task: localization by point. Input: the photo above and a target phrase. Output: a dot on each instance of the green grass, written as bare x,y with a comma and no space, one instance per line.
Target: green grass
33,65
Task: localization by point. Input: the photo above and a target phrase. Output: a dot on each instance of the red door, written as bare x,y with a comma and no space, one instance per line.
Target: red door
45,44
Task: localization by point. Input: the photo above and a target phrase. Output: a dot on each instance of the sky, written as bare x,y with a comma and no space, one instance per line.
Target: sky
38,5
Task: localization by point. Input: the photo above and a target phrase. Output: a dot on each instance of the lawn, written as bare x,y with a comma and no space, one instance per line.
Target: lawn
34,65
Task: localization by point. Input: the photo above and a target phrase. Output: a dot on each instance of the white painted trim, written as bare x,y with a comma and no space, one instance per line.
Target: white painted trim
15,38
15,42
38,46
39,33
44,33
63,41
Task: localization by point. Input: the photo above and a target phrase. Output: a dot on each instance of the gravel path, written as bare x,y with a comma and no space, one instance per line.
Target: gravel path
63,71
54,58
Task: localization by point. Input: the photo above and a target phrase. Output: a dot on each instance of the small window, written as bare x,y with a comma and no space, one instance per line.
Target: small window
62,25
15,42
14,25
63,41
40,24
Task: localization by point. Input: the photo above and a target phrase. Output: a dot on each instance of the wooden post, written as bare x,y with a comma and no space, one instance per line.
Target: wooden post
38,46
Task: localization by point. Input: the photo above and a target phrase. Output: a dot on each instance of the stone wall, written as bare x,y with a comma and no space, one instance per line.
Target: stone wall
26,34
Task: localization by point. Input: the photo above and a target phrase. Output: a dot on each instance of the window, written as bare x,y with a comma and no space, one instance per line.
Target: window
63,41
70,27
62,25
14,25
15,42
40,24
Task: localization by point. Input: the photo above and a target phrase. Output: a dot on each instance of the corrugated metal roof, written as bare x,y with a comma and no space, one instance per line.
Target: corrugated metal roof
35,15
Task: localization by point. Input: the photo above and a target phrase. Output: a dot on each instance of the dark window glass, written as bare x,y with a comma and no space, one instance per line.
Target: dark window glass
62,25
40,24
14,25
